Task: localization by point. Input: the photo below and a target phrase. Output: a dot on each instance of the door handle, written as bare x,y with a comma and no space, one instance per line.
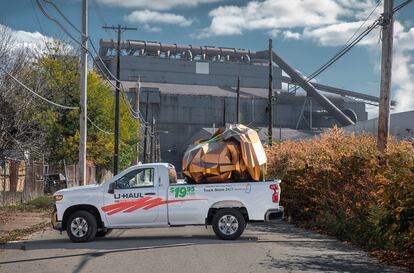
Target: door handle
149,193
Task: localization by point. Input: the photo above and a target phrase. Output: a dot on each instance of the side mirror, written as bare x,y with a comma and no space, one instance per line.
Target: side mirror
111,188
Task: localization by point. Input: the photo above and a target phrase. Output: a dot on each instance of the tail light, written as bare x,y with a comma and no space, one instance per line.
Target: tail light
275,195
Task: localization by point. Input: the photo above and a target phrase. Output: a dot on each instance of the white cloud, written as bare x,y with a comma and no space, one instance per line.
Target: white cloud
327,23
272,15
291,35
156,4
31,40
339,33
403,67
155,17
152,29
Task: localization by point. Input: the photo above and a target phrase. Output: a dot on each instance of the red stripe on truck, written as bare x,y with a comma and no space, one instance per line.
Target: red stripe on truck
145,203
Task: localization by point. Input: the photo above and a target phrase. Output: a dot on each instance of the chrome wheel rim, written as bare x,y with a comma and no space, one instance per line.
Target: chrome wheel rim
79,227
228,224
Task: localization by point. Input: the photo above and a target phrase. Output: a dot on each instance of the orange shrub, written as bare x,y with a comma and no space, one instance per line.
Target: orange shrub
342,184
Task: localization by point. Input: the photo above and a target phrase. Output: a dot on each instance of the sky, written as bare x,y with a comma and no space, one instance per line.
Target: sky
306,33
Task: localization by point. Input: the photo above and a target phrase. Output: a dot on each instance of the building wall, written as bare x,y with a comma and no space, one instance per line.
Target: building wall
401,125
184,115
180,71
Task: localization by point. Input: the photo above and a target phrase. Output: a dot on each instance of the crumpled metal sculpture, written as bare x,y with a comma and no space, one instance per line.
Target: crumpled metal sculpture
233,153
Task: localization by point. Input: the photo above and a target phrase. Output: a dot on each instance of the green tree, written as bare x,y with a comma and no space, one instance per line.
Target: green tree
57,77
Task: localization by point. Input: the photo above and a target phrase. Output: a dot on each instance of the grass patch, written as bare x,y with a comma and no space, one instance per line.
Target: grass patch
39,204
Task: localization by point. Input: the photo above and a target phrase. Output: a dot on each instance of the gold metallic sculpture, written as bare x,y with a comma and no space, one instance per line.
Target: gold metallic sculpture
233,153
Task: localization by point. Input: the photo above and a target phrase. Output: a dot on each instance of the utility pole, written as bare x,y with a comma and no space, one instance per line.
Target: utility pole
83,123
270,95
145,159
152,140
224,112
119,31
386,65
159,148
137,91
238,101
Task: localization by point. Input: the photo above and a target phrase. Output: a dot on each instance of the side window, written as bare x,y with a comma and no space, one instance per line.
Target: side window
136,179
172,174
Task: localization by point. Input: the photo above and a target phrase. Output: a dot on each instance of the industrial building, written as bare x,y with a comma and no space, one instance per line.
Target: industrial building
187,89
401,126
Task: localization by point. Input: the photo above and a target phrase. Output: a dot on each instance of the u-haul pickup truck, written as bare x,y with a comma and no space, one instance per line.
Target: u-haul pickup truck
148,195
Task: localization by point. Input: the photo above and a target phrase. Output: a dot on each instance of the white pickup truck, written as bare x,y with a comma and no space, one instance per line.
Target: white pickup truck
148,195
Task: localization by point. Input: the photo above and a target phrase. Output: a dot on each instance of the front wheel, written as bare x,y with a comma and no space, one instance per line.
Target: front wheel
228,224
81,226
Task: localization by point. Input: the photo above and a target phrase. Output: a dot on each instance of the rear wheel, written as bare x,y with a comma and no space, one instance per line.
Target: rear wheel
81,226
228,224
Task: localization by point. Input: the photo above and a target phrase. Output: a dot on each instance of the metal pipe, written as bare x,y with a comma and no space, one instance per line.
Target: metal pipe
209,51
339,91
309,88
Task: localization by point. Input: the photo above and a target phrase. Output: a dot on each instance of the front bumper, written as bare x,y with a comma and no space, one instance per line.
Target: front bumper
55,223
274,214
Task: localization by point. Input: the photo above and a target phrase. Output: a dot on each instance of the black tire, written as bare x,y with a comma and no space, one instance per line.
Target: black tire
84,235
103,232
235,217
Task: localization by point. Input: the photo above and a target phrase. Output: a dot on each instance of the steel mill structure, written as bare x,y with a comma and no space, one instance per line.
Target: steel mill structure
184,88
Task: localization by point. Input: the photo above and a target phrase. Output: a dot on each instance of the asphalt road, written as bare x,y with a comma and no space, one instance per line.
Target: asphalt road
262,248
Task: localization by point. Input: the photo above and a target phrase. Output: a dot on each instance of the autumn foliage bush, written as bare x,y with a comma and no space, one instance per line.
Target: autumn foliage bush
340,183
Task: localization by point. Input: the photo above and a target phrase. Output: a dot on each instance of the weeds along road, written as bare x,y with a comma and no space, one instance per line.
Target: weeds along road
273,248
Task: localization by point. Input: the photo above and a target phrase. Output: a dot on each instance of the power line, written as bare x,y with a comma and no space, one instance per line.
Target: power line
54,103
122,89
400,6
363,23
346,47
37,95
37,17
98,12
64,17
99,128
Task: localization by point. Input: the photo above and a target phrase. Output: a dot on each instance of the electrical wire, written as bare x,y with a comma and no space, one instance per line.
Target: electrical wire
54,103
397,8
37,95
345,48
136,115
348,46
64,17
99,128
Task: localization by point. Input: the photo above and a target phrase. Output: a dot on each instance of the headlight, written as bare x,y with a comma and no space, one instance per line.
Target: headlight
58,197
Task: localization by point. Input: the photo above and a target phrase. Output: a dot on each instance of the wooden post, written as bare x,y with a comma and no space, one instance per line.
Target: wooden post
386,66
83,124
119,30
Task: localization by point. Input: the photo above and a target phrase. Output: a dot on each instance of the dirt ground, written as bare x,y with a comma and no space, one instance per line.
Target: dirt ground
19,221
10,221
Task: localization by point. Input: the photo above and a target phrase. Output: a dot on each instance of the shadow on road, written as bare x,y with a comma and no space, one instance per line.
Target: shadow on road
116,244
352,263
287,247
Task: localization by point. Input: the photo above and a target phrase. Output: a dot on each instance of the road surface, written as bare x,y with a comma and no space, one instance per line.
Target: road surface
272,248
